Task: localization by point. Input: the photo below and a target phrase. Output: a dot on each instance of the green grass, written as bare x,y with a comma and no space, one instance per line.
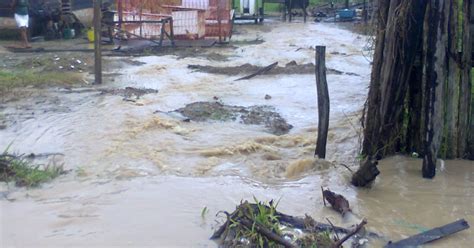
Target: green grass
264,215
15,79
472,81
24,173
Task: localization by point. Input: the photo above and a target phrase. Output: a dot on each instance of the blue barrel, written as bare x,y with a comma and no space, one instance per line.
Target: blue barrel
346,14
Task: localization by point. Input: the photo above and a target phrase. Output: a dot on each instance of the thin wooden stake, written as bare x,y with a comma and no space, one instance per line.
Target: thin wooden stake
97,41
323,102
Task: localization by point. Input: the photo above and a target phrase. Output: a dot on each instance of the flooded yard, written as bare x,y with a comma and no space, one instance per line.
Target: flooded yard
142,166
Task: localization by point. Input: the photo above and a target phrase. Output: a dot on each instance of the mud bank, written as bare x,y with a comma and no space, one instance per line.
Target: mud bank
289,68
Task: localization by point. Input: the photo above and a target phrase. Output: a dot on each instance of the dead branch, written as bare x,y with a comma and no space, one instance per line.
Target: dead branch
356,230
218,233
267,233
260,71
322,192
347,167
333,228
307,223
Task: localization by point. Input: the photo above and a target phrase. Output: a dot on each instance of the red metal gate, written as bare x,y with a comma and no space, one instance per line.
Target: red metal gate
192,19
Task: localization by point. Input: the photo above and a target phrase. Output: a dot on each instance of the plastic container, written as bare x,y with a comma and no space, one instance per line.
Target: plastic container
90,35
67,33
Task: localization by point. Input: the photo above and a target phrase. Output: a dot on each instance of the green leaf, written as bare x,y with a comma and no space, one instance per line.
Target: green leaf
204,212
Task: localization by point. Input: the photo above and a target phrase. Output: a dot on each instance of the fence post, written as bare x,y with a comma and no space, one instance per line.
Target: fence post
323,102
97,41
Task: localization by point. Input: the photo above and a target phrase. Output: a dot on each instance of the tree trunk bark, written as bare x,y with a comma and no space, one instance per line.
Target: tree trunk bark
434,79
399,40
420,91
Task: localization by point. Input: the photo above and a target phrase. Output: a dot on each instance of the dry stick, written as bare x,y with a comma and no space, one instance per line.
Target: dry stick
261,71
267,233
324,199
333,228
347,167
357,229
218,233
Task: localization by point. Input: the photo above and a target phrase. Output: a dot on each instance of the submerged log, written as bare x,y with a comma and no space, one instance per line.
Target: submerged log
366,173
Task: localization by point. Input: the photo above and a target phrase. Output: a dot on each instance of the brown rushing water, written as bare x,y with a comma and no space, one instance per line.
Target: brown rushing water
141,178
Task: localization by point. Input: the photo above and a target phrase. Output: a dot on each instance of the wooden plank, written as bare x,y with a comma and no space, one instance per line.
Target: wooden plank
323,102
431,235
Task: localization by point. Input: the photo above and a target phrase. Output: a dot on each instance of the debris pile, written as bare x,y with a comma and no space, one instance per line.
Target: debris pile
261,225
253,115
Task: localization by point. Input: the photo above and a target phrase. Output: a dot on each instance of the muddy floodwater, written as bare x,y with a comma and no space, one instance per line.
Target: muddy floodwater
140,172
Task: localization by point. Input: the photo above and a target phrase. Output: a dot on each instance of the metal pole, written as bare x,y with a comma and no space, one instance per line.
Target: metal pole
97,41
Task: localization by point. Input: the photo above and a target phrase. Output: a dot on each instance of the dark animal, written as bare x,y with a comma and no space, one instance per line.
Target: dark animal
338,202
293,4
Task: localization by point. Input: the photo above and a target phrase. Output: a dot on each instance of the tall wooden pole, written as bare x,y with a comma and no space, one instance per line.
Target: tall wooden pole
323,102
97,41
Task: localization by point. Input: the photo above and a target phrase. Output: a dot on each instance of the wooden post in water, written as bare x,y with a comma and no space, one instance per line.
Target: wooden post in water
97,41
323,102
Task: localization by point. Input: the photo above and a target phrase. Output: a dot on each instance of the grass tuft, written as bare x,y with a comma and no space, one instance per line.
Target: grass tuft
15,79
25,173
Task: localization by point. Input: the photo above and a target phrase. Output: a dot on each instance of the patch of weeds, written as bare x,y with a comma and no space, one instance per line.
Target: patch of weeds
314,240
261,225
252,216
15,79
247,42
81,172
25,173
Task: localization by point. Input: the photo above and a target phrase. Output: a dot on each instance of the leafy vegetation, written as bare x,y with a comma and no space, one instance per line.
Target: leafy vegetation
314,240
24,173
259,224
264,215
